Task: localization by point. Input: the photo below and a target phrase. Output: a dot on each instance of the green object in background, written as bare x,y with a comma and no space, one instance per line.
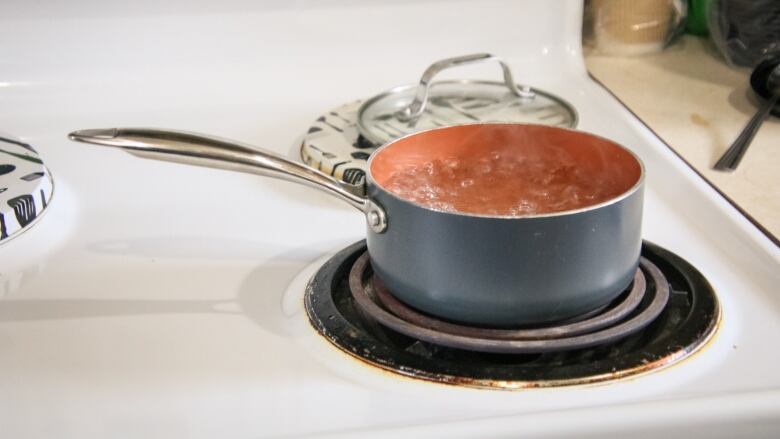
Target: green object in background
697,17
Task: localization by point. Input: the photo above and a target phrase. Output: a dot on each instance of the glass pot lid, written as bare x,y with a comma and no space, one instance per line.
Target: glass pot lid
417,107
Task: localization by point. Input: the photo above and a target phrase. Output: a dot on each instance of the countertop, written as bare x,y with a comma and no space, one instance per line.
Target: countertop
698,105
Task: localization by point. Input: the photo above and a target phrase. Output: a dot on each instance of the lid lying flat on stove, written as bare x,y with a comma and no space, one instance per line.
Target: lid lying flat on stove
410,108
456,103
340,141
26,186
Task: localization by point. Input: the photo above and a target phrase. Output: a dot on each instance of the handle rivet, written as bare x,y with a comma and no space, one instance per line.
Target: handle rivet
373,218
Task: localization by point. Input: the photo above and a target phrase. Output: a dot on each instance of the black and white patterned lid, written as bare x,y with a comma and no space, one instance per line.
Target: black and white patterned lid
26,186
333,146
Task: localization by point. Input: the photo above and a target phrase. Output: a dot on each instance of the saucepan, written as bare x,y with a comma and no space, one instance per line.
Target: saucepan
546,259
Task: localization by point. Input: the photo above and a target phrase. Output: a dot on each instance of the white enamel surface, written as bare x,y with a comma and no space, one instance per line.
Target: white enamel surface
152,300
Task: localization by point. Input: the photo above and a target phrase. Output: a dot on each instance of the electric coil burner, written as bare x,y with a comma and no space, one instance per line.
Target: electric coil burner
668,313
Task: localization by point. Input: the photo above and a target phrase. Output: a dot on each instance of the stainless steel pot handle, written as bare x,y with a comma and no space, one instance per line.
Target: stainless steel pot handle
212,152
416,108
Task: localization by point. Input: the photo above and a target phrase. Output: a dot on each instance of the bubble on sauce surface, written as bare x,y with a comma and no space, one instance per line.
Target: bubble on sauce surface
497,183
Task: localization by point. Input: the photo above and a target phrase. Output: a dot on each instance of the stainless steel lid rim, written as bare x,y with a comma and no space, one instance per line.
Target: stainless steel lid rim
367,128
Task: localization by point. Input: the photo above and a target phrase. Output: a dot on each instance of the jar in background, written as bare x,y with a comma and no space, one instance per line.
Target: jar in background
634,27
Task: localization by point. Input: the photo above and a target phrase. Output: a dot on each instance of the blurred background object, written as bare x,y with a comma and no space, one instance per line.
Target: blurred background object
634,27
745,31
696,22
698,98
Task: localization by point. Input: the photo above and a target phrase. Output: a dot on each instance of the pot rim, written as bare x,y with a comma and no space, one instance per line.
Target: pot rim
633,189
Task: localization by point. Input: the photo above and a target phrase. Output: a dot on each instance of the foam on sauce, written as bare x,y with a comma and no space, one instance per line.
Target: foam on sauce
511,178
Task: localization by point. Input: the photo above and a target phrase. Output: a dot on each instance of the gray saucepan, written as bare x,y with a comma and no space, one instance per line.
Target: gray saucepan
475,268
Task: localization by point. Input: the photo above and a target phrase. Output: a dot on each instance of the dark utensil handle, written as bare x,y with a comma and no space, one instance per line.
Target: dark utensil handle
731,158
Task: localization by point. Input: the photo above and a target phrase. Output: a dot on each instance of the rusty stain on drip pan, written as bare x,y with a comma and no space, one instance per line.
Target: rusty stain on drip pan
687,321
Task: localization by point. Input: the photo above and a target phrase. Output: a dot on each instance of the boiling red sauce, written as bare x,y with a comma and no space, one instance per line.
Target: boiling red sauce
511,179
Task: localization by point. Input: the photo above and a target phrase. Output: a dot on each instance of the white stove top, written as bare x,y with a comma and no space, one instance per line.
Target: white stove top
159,300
